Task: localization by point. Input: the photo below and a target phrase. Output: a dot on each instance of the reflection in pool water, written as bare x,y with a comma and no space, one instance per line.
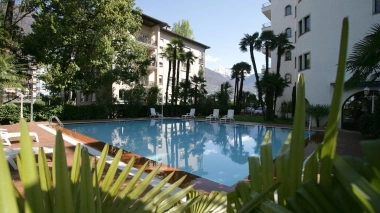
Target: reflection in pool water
218,152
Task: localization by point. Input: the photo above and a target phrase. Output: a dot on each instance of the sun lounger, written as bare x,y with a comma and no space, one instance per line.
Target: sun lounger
214,115
10,154
154,114
191,114
6,135
229,116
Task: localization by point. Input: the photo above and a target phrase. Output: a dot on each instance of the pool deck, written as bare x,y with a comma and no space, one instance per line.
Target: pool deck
348,144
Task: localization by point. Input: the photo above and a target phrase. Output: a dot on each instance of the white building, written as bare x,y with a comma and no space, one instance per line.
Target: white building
314,28
155,35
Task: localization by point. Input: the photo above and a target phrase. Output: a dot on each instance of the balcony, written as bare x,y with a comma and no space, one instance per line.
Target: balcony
146,40
152,67
266,26
266,9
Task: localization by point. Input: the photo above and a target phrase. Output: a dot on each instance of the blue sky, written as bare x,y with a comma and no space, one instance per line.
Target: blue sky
219,24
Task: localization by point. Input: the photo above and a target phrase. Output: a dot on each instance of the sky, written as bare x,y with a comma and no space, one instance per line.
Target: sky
219,24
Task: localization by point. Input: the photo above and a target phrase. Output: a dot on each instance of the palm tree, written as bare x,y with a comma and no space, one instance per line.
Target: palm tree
177,47
268,42
253,43
283,45
199,87
224,94
235,75
168,54
241,68
181,59
272,83
364,60
190,58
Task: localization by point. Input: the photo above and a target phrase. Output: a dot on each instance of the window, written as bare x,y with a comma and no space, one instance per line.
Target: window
160,79
295,11
295,37
304,61
306,58
300,28
300,62
288,56
288,10
377,6
295,62
288,32
304,25
161,64
307,23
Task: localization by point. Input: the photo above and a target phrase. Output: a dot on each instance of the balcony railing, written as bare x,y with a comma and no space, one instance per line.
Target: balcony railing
144,38
267,4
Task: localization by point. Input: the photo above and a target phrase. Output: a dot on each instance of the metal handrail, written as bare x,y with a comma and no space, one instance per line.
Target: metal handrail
57,119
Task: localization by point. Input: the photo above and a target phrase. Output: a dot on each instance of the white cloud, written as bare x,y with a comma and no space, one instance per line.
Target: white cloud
209,58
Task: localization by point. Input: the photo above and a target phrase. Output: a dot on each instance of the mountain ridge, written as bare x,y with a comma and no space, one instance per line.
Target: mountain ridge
214,79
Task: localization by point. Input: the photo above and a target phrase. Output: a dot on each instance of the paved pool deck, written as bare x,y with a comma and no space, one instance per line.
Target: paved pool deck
348,144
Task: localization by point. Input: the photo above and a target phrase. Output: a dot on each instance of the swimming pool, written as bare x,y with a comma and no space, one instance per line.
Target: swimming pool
215,151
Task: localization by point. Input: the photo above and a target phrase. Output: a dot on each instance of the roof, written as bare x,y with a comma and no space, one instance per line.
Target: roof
151,22
185,38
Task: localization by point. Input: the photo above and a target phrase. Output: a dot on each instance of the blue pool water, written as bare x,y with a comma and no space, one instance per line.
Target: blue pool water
215,151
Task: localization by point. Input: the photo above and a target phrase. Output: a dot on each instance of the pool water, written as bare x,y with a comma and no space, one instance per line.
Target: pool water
215,151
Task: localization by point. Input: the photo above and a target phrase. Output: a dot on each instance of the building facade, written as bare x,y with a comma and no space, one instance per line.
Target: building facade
156,35
314,28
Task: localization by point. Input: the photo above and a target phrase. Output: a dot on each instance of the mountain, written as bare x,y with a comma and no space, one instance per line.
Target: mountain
214,79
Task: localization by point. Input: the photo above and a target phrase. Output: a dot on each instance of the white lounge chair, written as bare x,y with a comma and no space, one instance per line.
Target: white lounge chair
6,135
154,114
191,114
214,115
229,116
10,154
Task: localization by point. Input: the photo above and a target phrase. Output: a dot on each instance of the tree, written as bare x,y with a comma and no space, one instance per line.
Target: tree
272,83
268,42
235,75
190,58
152,95
177,46
318,111
87,43
168,54
183,28
364,60
283,45
199,88
224,94
241,68
253,43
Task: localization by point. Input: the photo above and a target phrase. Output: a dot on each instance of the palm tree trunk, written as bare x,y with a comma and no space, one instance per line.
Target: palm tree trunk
259,90
167,85
241,90
174,71
177,87
278,73
187,83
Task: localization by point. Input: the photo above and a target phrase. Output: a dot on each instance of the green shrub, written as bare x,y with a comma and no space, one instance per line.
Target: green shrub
9,113
366,126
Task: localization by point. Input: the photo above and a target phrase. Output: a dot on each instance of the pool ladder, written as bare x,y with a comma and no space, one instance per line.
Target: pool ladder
57,119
